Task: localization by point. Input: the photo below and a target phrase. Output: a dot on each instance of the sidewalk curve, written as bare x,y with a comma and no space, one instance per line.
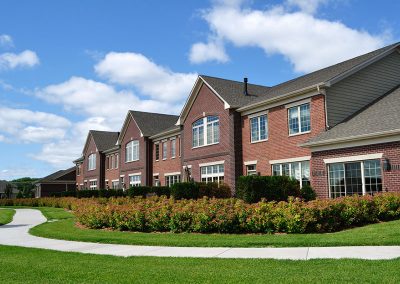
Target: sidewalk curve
16,234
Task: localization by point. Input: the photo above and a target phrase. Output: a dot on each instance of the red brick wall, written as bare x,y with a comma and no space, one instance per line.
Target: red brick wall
279,144
207,103
111,174
391,179
79,179
94,174
169,165
133,133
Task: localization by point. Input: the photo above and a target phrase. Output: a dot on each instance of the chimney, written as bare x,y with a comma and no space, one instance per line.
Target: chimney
245,87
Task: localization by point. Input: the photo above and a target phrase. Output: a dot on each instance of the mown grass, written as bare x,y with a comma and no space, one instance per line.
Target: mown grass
6,216
387,233
26,265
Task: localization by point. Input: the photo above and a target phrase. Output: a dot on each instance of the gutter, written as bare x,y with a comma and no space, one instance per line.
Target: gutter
165,133
352,138
282,97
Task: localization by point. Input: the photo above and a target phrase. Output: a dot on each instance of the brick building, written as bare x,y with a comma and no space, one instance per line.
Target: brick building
336,129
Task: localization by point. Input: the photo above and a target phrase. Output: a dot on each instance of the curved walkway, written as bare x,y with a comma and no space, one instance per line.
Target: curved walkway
16,234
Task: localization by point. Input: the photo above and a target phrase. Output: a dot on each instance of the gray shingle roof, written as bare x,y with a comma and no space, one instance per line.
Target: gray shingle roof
59,175
104,140
380,116
232,91
153,123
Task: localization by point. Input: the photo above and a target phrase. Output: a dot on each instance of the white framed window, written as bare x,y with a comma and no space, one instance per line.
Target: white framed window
251,170
355,178
156,180
170,180
132,151
173,148
164,150
135,180
205,131
157,150
116,161
299,119
115,184
213,173
93,184
112,162
297,170
92,162
78,169
259,128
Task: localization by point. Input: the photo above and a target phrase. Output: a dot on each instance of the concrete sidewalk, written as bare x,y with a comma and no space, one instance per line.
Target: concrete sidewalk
16,234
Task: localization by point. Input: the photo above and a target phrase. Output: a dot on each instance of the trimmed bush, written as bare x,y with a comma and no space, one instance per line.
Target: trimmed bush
138,191
307,193
214,190
272,188
185,190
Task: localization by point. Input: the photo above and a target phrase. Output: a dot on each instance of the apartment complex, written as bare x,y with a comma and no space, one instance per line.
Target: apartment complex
336,129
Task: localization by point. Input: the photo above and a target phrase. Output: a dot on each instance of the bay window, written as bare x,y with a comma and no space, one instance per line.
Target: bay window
132,151
259,128
297,170
205,131
299,119
92,162
213,173
355,178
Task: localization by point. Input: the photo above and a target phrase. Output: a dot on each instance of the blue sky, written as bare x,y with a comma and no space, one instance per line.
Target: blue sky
70,66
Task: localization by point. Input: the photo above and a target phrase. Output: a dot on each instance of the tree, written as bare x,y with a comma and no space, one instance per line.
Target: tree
8,190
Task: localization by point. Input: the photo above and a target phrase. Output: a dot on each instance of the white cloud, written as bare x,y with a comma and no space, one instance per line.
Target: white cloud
210,51
6,40
17,172
26,126
155,81
306,41
26,58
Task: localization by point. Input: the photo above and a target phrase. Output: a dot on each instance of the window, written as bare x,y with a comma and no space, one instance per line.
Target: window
164,150
297,170
213,173
170,180
157,152
299,119
112,162
132,151
93,184
116,160
173,148
355,178
115,184
156,181
122,181
259,128
135,180
251,170
92,162
207,136
107,163
78,169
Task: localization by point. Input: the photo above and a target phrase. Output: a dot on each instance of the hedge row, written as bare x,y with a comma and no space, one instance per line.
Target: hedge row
158,214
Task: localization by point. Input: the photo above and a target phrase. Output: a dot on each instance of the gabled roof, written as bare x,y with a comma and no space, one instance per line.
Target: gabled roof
381,117
58,176
103,140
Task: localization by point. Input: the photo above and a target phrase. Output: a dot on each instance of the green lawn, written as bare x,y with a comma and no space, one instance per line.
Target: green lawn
376,234
25,265
6,216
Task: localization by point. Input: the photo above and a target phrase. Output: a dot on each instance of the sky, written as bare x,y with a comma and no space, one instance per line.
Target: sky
69,66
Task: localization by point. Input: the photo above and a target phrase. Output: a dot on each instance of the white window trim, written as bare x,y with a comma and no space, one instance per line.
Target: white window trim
93,180
173,139
172,174
135,174
298,113
95,161
121,176
138,156
290,160
155,152
298,103
156,174
248,163
114,180
188,166
258,115
205,126
164,142
354,158
290,169
211,164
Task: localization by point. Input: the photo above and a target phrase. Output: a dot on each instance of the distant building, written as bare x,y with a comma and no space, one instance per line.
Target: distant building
63,180
3,185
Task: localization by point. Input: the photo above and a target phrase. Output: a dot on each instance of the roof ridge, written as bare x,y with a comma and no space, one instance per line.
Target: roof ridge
146,112
235,81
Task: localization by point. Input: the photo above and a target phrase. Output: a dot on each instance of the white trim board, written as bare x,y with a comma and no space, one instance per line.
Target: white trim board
172,174
353,158
290,160
298,103
211,163
135,174
247,163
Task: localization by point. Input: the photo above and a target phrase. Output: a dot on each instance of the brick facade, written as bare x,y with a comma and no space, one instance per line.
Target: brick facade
141,166
391,179
279,144
98,173
112,169
79,175
168,164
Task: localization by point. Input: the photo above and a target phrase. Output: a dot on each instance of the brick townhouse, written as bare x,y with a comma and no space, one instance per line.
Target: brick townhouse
336,129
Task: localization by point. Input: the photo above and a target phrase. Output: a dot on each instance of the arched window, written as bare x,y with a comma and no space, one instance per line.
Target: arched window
132,151
205,131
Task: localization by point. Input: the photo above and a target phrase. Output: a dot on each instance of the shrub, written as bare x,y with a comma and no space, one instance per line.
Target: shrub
138,191
214,190
307,193
185,190
273,188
